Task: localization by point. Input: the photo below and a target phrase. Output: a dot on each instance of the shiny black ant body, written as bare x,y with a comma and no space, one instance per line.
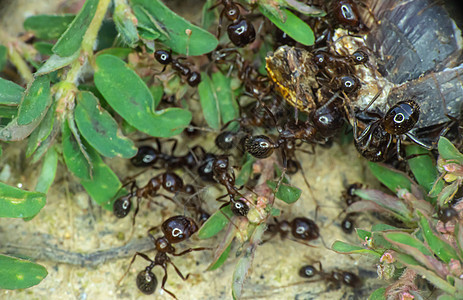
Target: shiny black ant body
346,14
347,224
165,58
240,31
301,229
335,277
175,229
375,140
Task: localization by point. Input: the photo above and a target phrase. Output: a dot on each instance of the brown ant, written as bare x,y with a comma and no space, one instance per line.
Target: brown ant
335,277
347,15
301,229
374,141
175,229
165,58
171,182
240,31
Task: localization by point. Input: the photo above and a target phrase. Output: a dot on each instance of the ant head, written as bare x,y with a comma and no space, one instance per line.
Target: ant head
163,57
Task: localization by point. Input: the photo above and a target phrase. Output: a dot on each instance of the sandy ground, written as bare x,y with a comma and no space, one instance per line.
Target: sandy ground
71,226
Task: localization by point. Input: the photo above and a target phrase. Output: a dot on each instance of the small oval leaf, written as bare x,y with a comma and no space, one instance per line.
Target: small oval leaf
10,92
48,27
422,166
73,157
17,203
293,26
209,102
36,101
448,151
132,99
286,192
16,273
215,223
391,178
99,129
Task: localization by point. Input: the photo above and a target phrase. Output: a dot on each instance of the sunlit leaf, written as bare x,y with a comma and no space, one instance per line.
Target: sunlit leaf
448,151
379,294
342,247
16,273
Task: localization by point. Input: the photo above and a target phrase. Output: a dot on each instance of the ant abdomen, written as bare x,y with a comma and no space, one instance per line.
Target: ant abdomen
259,146
122,206
146,282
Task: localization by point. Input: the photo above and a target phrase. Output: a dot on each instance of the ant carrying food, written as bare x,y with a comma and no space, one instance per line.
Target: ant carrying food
375,140
335,277
175,230
165,58
240,31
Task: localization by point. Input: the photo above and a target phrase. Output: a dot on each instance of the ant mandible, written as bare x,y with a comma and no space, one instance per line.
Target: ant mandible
175,229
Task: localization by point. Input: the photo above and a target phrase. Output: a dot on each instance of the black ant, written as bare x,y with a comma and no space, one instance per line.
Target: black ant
336,277
226,178
447,214
375,140
347,224
175,229
193,78
150,156
240,31
302,229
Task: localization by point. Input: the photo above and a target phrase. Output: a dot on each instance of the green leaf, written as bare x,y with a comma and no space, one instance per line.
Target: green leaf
48,27
48,172
286,192
8,112
73,157
209,101
10,92
157,91
104,185
398,238
208,16
3,57
448,151
125,22
345,248
132,99
383,227
42,132
70,41
99,129
175,35
293,26
16,273
221,259
15,132
228,106
379,294
391,178
121,53
246,171
36,101
17,203
422,166
215,223
442,249
362,234
56,62
44,48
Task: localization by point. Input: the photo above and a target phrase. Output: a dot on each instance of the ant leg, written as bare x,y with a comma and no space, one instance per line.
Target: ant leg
164,280
191,250
418,142
143,255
